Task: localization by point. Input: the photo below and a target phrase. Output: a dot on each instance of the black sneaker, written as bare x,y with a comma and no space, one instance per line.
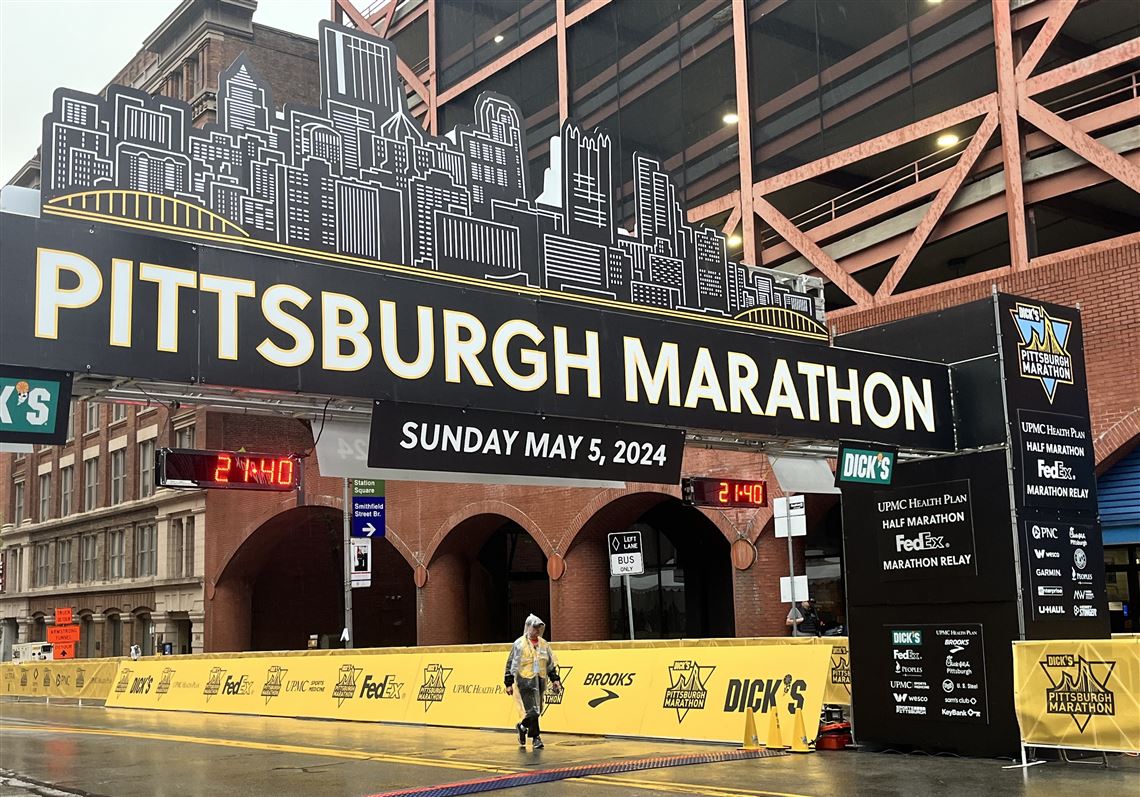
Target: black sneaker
522,734
538,745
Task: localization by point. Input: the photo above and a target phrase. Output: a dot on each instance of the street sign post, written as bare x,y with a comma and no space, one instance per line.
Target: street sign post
790,517
626,559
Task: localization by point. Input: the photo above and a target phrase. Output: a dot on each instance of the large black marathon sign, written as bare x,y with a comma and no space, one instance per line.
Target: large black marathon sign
926,531
89,297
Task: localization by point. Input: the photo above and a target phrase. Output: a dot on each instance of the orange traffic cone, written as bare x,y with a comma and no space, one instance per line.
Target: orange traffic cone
774,740
800,742
751,740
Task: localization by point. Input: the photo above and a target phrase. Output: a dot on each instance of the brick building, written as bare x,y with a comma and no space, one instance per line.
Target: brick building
914,158
82,524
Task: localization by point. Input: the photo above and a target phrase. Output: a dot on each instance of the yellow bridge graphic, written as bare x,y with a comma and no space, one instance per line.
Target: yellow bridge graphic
149,210
784,319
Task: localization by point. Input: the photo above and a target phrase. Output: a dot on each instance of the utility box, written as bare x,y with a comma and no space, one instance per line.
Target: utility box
32,651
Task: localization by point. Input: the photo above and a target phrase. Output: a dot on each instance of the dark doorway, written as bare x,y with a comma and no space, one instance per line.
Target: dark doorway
686,590
508,582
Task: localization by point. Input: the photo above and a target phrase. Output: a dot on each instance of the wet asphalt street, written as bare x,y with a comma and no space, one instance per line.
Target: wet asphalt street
59,750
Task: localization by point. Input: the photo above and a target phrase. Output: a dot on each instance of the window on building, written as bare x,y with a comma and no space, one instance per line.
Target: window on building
184,437
41,575
88,546
92,422
188,569
118,476
146,551
63,556
146,468
90,483
175,548
15,574
118,413
116,553
45,497
18,503
71,421
66,490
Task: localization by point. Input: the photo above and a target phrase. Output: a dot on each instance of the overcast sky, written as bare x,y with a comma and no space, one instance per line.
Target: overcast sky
82,44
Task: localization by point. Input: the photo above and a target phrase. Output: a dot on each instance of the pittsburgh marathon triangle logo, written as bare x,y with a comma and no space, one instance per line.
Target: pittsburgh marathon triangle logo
548,697
1080,688
435,685
272,687
688,687
124,681
164,682
213,683
1042,352
345,683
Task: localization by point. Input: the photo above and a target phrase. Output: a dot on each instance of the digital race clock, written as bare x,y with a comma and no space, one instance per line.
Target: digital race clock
226,470
725,493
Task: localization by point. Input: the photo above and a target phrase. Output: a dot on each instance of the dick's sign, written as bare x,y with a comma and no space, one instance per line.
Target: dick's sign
34,405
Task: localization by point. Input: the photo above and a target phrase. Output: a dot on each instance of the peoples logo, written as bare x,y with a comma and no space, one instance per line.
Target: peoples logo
434,686
122,685
1080,688
688,687
1042,352
273,678
549,697
164,682
345,687
213,683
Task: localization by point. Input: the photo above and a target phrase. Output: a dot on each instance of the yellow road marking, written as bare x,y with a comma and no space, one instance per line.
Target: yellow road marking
439,763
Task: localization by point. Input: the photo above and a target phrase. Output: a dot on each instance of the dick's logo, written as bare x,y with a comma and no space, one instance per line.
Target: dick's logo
1080,688
688,687
1042,351
435,685
28,405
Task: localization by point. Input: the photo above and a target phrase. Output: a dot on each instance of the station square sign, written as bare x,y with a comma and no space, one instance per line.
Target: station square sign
344,251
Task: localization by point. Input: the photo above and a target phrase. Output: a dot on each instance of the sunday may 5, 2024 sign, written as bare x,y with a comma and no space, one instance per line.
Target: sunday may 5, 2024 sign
342,250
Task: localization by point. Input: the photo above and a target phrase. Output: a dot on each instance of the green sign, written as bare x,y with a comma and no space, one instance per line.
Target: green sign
910,638
368,487
33,405
862,464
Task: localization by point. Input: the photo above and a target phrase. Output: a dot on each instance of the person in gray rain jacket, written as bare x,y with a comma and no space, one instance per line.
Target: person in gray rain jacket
529,665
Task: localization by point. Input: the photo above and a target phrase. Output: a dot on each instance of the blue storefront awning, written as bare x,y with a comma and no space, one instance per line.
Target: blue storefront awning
1118,497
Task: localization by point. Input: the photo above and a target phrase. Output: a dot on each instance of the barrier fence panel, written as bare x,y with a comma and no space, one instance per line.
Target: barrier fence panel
82,679
676,691
1082,694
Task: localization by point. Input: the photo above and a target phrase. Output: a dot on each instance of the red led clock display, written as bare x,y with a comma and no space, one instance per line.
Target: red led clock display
220,470
728,493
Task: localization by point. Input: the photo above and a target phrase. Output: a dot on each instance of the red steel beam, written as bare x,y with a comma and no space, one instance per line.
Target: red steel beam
713,207
1081,143
433,75
941,201
1097,62
744,127
384,18
809,249
731,222
563,63
1044,38
1010,137
895,138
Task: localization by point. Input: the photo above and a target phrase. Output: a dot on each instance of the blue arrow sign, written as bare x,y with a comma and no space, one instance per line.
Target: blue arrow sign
368,516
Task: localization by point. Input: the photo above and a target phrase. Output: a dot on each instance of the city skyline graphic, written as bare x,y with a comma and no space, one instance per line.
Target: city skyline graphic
359,180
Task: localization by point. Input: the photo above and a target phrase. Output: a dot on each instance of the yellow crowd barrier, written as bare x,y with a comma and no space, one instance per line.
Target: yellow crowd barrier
78,679
1081,694
697,691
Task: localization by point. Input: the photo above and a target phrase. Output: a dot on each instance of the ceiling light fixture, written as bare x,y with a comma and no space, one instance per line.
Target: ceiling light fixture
731,118
499,38
946,140
735,241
